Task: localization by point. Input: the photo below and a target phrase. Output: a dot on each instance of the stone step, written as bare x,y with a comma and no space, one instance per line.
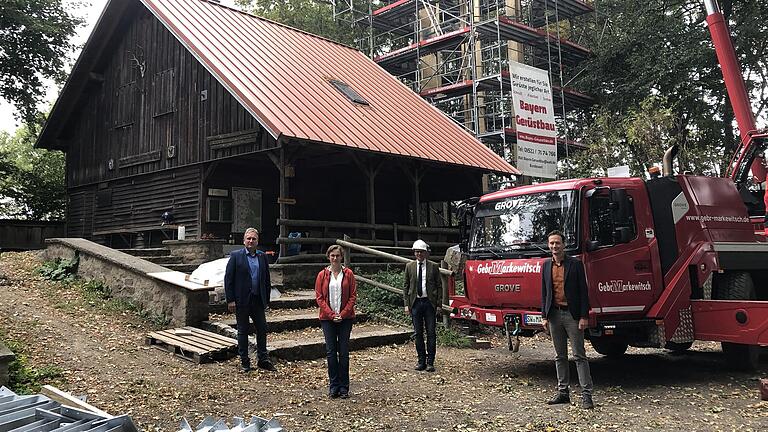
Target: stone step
310,344
288,300
184,268
144,252
314,348
162,260
276,323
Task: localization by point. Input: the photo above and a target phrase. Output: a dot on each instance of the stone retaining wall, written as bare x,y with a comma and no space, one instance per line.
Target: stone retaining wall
127,277
196,251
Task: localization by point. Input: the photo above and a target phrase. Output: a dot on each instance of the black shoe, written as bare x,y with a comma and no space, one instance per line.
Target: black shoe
586,402
267,365
245,369
559,398
344,395
333,394
420,366
430,368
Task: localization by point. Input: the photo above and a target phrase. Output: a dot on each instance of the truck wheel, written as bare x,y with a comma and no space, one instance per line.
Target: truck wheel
733,286
737,286
609,347
678,347
741,356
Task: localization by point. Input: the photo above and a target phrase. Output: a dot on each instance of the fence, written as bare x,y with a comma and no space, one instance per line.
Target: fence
28,235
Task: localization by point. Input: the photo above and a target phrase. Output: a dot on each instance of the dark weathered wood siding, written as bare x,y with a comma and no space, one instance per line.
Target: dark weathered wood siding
153,106
146,124
136,203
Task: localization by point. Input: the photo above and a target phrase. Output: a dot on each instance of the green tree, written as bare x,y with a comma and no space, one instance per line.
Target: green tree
654,61
312,16
34,45
32,184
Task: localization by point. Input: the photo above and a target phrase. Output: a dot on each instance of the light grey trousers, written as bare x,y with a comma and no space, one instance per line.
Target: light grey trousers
563,327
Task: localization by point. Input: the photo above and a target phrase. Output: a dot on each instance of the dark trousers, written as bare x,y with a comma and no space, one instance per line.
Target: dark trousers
423,315
564,328
253,310
337,350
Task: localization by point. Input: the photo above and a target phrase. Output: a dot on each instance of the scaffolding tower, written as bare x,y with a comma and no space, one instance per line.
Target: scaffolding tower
456,54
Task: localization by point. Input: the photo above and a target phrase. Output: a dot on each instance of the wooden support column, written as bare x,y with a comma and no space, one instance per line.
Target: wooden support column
281,163
370,169
415,174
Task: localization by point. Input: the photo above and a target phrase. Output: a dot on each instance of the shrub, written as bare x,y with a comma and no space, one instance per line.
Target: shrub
59,269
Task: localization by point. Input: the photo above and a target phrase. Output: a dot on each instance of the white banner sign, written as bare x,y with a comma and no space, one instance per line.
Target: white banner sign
534,121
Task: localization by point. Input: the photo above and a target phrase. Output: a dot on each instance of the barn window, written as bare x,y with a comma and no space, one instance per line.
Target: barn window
124,105
349,92
163,93
219,209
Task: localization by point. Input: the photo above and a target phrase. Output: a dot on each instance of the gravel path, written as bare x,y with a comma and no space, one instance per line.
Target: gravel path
102,355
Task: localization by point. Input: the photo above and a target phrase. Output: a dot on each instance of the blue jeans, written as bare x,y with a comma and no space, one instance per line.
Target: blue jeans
253,310
337,350
423,315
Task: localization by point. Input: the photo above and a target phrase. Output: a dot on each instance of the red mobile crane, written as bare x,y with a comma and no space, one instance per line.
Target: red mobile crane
668,260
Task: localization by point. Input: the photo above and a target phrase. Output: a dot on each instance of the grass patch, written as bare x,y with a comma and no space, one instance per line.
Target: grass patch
25,379
450,337
380,303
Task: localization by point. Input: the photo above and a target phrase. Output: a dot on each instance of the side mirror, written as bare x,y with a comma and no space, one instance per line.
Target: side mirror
592,245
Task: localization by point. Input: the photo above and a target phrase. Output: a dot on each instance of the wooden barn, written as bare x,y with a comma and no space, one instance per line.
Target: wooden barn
226,120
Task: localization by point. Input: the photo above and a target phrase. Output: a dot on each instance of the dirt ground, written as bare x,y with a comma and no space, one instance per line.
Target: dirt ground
102,355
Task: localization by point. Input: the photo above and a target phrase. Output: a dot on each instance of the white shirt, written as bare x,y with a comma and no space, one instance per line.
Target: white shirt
423,287
334,291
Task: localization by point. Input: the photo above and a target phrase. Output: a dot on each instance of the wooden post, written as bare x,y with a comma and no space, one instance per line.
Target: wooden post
444,283
283,207
417,199
347,252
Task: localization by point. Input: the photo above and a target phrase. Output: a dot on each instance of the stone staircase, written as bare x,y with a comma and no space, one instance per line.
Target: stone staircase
163,257
294,330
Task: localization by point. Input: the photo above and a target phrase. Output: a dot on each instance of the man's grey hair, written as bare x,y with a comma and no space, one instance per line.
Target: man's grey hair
247,230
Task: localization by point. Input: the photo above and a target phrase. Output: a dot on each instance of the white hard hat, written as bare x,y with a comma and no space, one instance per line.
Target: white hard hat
420,245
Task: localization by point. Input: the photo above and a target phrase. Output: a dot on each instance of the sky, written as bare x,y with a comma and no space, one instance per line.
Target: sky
89,10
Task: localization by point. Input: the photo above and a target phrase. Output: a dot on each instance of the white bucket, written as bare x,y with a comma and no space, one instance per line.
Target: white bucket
181,232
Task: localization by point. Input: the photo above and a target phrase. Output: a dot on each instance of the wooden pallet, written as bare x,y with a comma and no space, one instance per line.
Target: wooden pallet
193,344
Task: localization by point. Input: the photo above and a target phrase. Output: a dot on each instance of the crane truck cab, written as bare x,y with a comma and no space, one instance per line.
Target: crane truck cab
668,261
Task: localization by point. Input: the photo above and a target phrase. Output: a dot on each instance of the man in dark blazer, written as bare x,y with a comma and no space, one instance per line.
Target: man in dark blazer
565,311
423,296
247,286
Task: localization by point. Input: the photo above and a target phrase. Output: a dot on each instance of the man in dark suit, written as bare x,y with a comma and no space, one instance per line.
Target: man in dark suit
564,309
423,296
247,286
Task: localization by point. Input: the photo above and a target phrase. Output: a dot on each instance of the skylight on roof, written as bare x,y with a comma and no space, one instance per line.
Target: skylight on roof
349,92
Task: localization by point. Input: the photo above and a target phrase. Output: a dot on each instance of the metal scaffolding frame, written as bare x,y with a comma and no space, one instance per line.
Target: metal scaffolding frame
455,53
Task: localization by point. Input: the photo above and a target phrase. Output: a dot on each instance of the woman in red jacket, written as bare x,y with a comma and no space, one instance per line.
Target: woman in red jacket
336,292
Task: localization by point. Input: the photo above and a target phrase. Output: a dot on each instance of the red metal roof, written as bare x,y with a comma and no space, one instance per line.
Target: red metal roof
281,76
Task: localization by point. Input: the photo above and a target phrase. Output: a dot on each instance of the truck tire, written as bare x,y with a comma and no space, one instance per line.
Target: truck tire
609,347
737,286
733,286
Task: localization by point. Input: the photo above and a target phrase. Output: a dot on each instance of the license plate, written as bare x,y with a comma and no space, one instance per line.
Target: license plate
532,319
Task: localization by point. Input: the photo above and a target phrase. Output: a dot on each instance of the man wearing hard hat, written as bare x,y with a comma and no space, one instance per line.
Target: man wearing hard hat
423,296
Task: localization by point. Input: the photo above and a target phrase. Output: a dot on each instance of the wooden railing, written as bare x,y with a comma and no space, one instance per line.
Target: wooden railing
325,233
446,276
